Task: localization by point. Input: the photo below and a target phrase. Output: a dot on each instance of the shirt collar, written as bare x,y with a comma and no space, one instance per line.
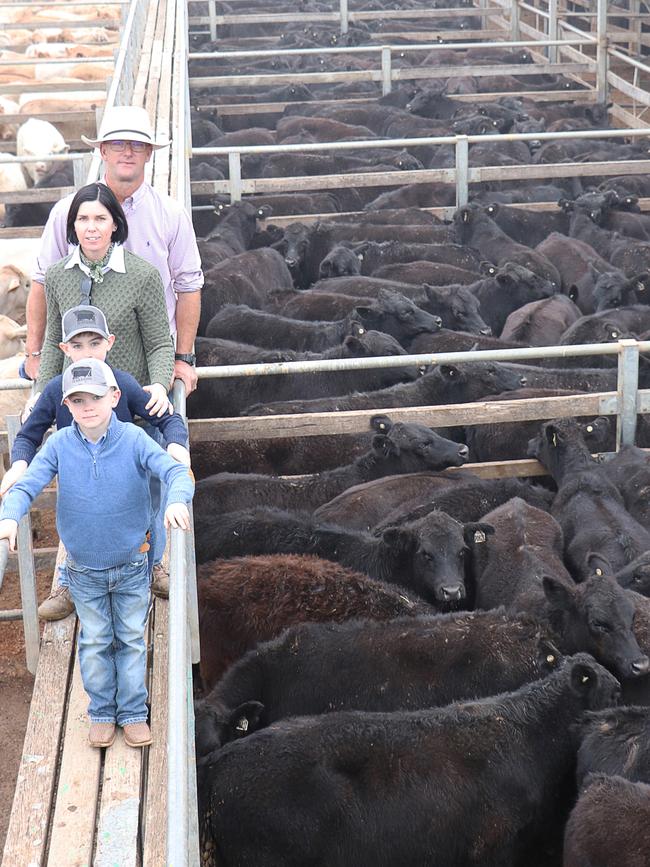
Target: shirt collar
137,198
115,262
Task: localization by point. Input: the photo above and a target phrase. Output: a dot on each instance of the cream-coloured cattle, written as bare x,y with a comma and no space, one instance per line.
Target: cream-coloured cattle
12,337
12,402
57,50
73,71
14,287
40,139
12,180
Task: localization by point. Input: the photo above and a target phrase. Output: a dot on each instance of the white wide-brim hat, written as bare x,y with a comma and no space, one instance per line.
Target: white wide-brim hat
126,123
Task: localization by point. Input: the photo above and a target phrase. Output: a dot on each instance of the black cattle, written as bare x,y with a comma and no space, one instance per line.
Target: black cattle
409,788
578,379
467,501
636,575
541,323
218,398
616,213
421,271
609,826
616,742
528,227
374,255
318,306
363,507
398,448
476,228
446,383
232,234
431,557
579,266
588,506
615,289
246,600
446,340
36,213
402,664
629,470
630,255
339,262
507,289
521,567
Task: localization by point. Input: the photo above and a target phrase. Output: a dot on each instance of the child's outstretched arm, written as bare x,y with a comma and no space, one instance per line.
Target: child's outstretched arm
177,515
179,453
9,531
12,475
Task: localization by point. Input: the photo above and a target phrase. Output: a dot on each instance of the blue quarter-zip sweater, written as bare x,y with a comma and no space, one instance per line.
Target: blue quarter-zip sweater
103,506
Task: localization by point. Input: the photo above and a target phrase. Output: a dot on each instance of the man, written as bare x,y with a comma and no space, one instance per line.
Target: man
160,231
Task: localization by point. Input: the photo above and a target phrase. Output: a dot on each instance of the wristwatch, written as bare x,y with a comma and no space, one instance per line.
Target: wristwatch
187,357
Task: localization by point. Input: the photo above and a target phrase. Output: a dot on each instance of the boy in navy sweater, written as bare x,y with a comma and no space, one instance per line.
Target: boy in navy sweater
86,335
103,514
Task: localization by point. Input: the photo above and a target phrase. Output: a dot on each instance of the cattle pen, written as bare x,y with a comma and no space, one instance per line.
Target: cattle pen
74,808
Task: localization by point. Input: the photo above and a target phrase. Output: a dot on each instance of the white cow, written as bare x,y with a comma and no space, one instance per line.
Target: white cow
14,287
8,130
40,139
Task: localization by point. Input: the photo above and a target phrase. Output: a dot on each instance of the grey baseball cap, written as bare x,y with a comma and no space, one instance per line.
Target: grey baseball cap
83,318
90,376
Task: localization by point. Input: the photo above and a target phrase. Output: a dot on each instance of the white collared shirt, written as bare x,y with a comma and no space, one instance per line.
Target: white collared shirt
115,261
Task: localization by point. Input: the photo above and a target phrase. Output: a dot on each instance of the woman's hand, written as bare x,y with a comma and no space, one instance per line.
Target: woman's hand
174,450
9,531
12,475
177,516
159,402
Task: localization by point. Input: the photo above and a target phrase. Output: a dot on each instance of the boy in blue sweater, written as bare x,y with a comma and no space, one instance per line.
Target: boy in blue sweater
86,335
103,515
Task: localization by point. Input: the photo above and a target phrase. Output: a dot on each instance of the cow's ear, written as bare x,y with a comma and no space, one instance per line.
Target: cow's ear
553,434
450,372
584,678
381,423
640,283
363,312
503,278
549,656
573,293
566,205
245,719
558,592
476,533
597,564
353,343
398,539
383,446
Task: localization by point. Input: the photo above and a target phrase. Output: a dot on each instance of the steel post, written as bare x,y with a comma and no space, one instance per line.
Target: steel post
601,51
628,383
551,51
386,71
462,170
234,170
344,15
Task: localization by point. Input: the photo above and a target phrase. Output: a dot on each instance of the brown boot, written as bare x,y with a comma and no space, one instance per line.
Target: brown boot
137,734
101,734
57,605
160,581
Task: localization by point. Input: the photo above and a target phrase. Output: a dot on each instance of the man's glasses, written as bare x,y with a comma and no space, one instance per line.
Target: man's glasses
118,145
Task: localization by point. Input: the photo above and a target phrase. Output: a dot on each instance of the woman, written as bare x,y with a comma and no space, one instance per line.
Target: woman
128,290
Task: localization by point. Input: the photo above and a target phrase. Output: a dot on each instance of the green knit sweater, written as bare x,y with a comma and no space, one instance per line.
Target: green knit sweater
134,306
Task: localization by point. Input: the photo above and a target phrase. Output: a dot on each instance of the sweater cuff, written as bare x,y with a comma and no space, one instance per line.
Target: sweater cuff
12,513
22,451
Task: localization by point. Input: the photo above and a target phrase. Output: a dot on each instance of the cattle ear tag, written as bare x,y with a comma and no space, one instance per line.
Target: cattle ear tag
585,678
360,257
614,334
640,287
242,725
465,216
590,428
554,440
550,659
479,536
599,572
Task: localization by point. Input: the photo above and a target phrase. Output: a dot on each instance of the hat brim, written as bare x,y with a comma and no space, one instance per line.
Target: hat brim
87,329
155,145
90,388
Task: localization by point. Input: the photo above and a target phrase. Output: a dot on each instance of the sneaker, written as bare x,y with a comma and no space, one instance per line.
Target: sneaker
160,581
101,734
57,605
137,734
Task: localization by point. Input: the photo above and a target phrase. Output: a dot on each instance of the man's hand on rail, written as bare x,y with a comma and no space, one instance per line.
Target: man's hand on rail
32,364
9,531
176,451
159,402
12,475
185,372
29,406
177,516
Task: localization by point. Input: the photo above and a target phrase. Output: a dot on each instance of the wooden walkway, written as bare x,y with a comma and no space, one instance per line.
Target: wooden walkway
74,805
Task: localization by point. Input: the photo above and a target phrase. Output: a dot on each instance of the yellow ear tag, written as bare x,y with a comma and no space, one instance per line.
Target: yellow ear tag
599,571
550,658
554,440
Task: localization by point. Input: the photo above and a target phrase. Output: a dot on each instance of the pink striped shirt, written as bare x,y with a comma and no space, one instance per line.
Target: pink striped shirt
159,230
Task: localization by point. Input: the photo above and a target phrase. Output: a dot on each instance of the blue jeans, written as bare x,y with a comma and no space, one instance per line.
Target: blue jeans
112,606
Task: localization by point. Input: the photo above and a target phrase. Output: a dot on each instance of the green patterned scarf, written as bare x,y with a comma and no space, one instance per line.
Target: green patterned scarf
96,268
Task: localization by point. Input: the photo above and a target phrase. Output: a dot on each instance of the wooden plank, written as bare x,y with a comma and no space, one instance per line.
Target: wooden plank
162,115
155,809
50,86
51,194
140,87
558,170
73,824
26,838
51,116
504,469
156,60
356,421
119,809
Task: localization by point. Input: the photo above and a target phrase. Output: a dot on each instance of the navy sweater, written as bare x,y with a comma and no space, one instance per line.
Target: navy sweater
49,409
103,506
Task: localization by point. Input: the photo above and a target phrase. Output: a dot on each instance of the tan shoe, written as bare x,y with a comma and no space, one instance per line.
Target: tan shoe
101,734
160,581
137,734
57,605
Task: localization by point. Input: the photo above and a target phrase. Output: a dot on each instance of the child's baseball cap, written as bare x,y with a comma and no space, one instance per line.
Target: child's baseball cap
83,318
90,375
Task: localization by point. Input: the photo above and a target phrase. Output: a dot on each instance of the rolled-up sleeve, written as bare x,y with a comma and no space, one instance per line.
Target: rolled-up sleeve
184,260
53,242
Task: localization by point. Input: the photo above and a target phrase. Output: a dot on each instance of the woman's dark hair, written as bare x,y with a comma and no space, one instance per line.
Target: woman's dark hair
97,193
